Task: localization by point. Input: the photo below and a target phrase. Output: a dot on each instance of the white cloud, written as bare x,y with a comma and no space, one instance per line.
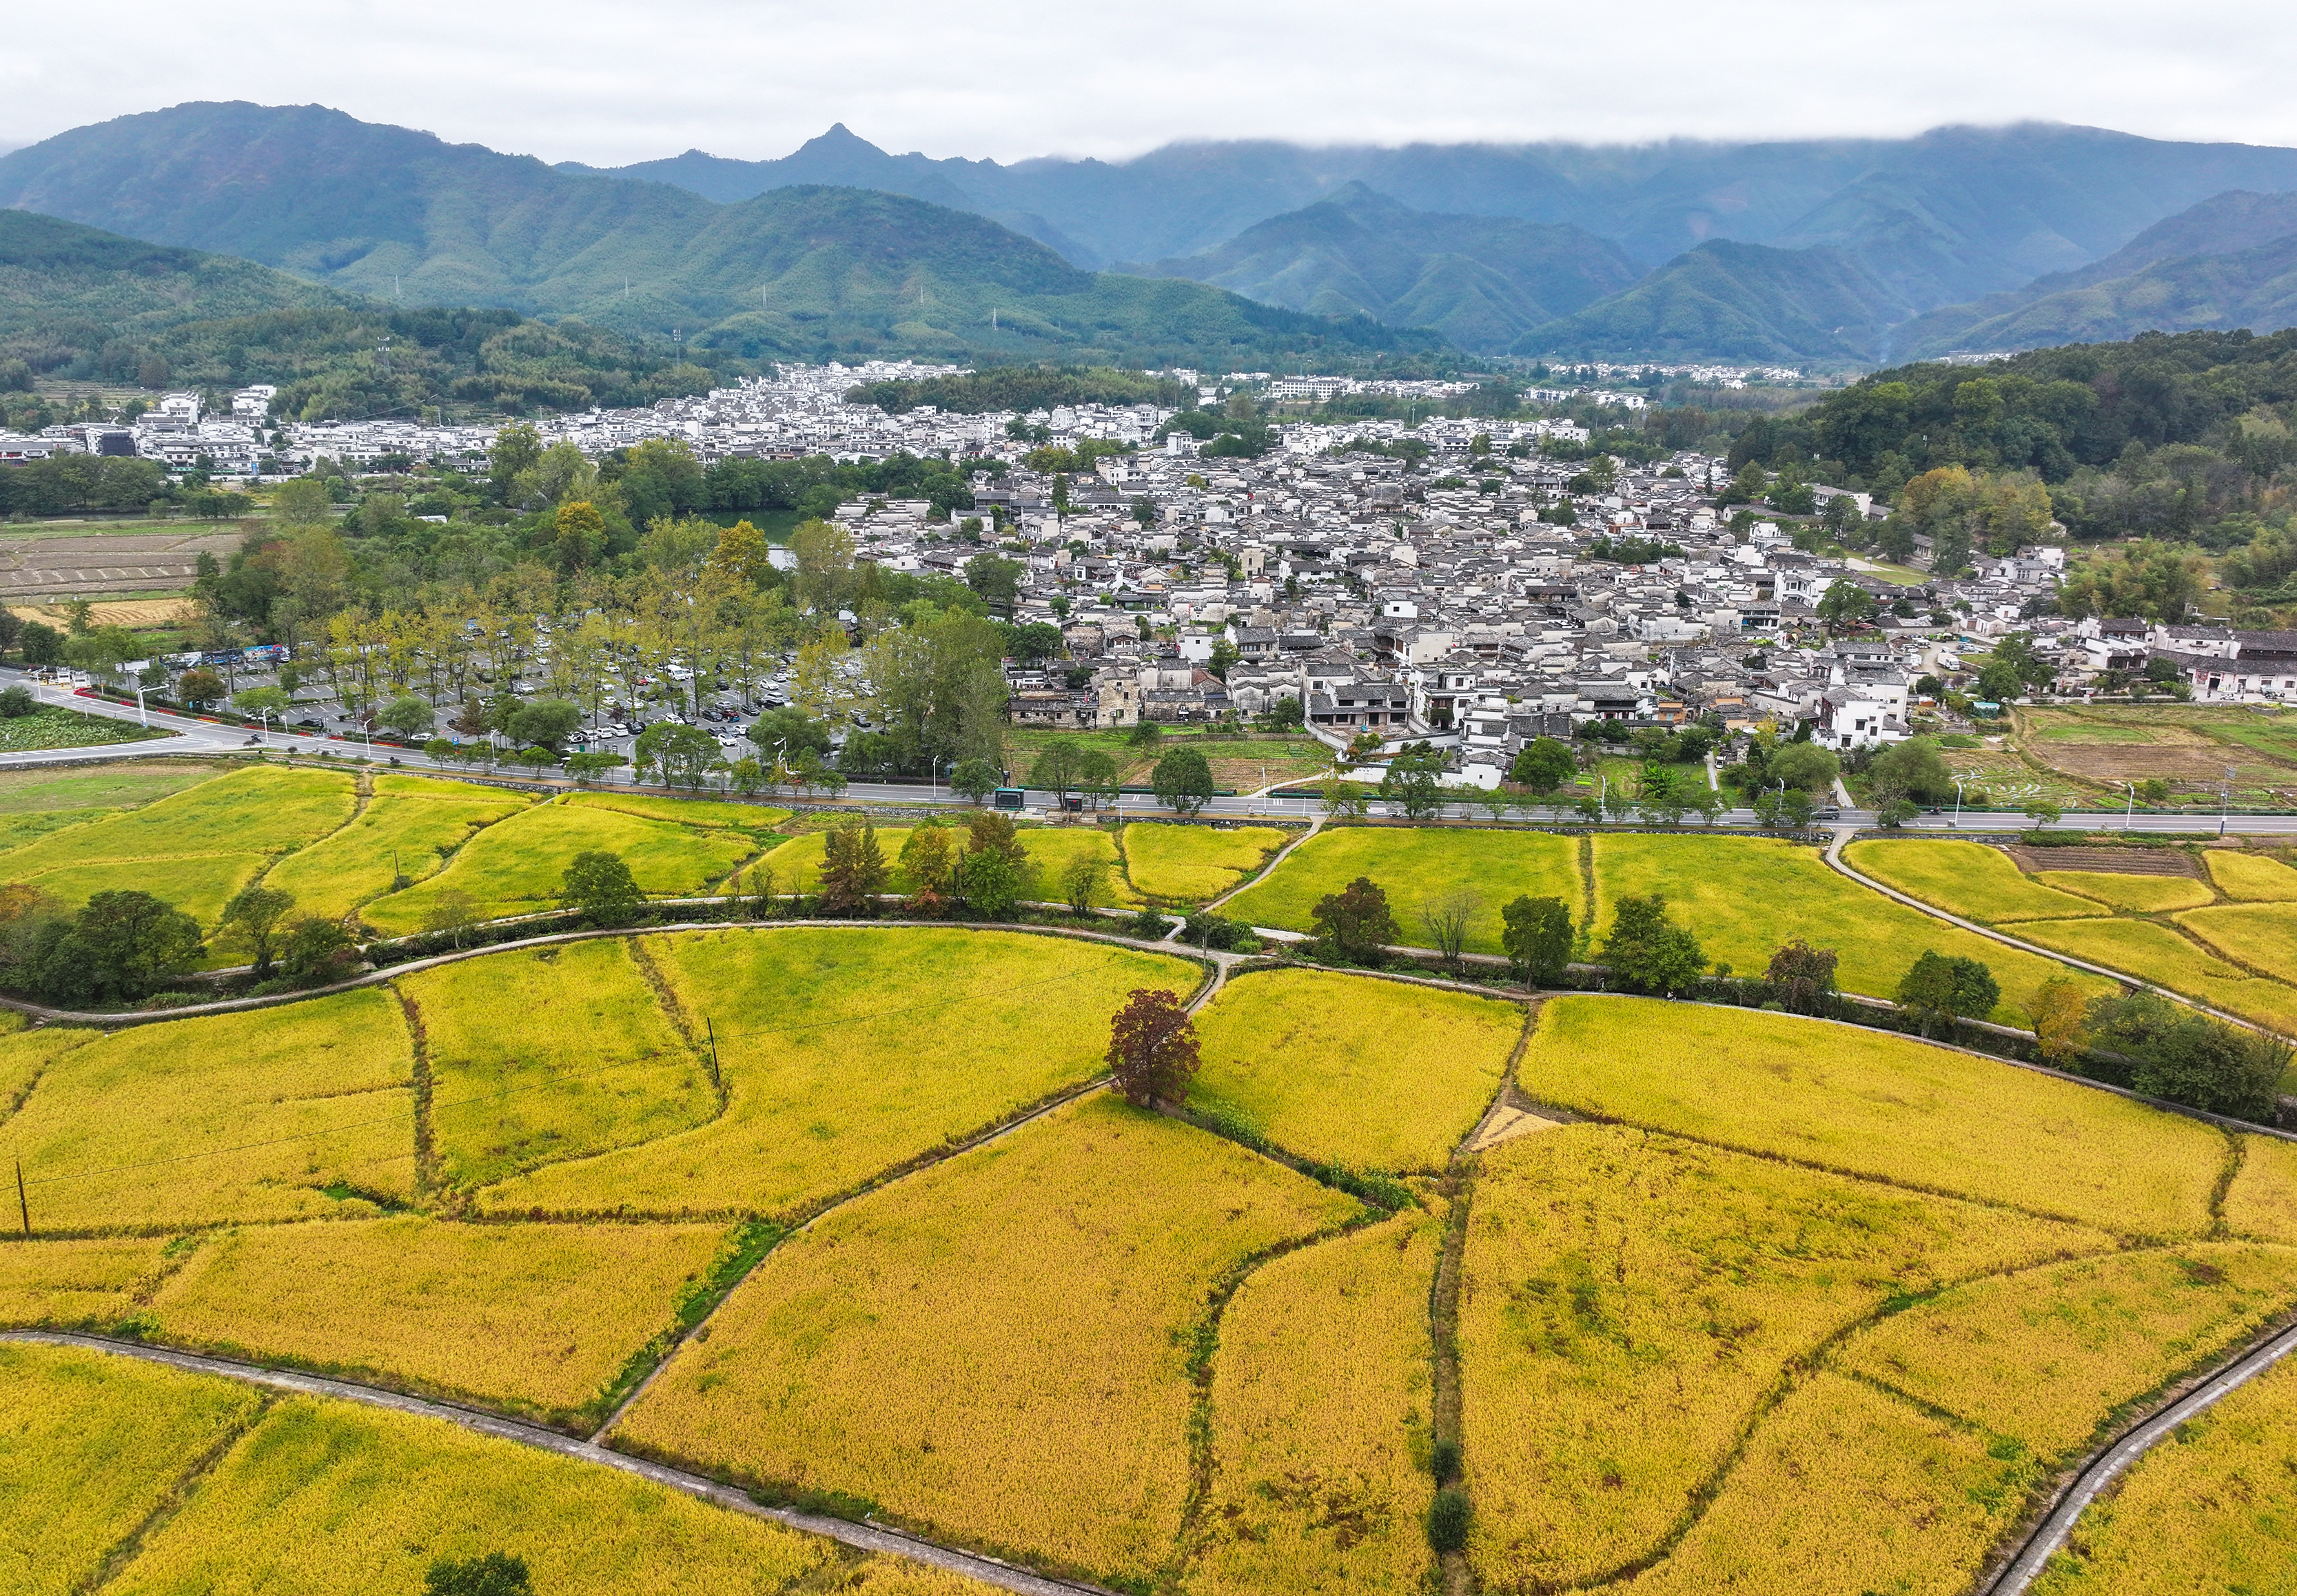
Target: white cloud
610,84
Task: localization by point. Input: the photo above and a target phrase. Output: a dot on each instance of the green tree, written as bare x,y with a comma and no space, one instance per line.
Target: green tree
974,779
317,951
1536,935
1846,606
409,716
1805,765
1081,880
1800,976
853,872
997,580
1152,1048
1356,921
2187,1058
1648,952
1545,764
42,644
1182,781
578,538
269,701
990,882
683,754
786,733
251,919
543,723
517,449
1414,783
199,688
1913,769
599,886
1056,767
1939,990
2044,814
1096,774
121,946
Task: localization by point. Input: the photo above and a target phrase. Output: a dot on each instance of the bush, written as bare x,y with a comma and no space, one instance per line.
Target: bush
1443,1461
316,952
16,703
1211,931
1149,926
1447,1520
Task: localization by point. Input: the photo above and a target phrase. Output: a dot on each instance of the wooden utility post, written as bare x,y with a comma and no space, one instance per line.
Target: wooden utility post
23,1209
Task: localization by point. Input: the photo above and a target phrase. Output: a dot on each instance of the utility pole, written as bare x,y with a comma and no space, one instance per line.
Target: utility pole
23,1209
709,1028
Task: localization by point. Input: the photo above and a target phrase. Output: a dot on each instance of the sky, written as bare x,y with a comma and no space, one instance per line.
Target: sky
608,84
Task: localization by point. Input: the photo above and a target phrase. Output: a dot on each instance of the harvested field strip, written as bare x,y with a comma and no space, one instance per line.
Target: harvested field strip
1888,1108
1416,867
998,1347
1322,1409
2158,954
1969,879
1633,1305
1192,863
1299,1055
236,1116
532,1319
829,1084
1744,897
591,1064
119,784
2140,894
90,1447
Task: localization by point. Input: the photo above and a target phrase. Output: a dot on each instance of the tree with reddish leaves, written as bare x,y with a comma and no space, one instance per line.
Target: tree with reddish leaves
1152,1048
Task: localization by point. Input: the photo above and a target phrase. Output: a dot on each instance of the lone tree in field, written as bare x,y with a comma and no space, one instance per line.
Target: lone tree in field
2060,1013
497,1573
1447,916
1081,883
1152,1048
1649,953
317,951
252,918
1800,975
853,869
1940,989
1357,920
600,885
1536,934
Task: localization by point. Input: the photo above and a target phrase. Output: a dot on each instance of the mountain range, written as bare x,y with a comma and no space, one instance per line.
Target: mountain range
1831,250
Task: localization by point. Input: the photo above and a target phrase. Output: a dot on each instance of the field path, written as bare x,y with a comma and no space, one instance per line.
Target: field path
2114,1460
866,1537
1834,856
1265,871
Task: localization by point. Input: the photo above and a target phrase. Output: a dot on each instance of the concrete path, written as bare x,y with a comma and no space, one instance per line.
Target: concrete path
866,1537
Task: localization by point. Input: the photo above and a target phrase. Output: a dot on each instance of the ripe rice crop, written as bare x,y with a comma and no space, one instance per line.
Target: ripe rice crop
90,1445
845,1052
260,809
199,886
2140,894
233,1116
25,1054
556,1053
2262,1200
707,813
1969,879
2250,877
1322,1404
1628,1299
1874,1104
1051,848
2262,936
338,874
1368,1073
1414,866
523,860
2207,1512
1745,896
116,785
2158,954
1844,1489
999,1347
534,1318
69,1284
359,1502
1189,864
2046,1355
400,784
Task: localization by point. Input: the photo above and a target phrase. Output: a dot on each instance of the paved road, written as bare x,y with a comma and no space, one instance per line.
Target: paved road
868,1537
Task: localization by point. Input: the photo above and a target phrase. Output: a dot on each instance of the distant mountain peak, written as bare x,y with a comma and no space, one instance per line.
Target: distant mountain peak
840,140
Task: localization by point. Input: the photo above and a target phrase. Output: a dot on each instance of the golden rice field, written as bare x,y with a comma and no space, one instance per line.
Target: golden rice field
1371,1074
26,1055
71,1285
995,1348
541,1055
1322,1410
1746,896
1415,866
1969,879
2159,954
2250,877
90,1445
2262,1200
1630,1298
2206,1511
236,1116
847,1051
2262,936
2044,1355
2139,894
1872,1104
397,832
534,1318
1189,864
704,812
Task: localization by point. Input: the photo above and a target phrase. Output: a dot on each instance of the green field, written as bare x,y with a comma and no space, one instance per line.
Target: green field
1415,867
52,726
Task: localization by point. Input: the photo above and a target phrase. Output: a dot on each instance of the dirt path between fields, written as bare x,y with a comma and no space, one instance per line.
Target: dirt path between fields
866,1537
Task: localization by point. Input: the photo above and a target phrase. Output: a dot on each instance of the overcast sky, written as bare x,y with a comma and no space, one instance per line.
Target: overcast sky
578,80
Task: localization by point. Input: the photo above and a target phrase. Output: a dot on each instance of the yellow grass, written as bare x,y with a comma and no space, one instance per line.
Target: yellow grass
553,1054
356,1501
1368,1073
334,876
2139,894
1413,866
1877,1105
537,1318
114,612
2158,954
66,1284
1969,879
2262,936
2044,1356
1192,863
704,812
2250,877
1320,1407
2262,1200
995,1347
1746,896
1628,1299
228,1116
2205,1512
1844,1489
847,1051
90,1445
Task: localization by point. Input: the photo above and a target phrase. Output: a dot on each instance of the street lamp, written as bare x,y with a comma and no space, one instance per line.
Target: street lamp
1955,824
2129,810
2225,799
